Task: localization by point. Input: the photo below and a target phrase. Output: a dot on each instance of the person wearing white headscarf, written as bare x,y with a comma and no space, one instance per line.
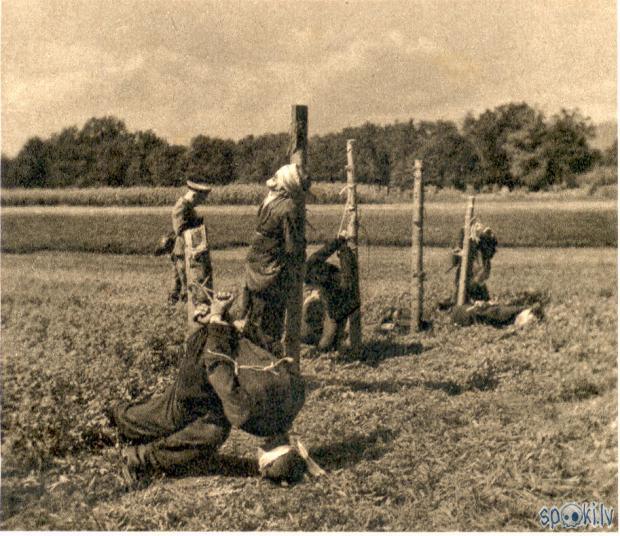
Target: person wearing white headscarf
278,245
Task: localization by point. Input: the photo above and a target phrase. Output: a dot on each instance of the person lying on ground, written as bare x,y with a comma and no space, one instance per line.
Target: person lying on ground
223,380
328,295
526,308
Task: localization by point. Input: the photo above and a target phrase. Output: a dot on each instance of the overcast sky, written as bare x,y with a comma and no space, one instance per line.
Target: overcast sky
232,68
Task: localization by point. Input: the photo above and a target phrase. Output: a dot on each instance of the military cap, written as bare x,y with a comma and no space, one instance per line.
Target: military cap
198,184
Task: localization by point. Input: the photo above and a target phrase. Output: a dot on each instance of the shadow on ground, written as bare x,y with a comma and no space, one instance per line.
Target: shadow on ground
449,387
353,449
376,351
221,465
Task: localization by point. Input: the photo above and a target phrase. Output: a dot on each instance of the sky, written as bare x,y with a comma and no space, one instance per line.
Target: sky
232,68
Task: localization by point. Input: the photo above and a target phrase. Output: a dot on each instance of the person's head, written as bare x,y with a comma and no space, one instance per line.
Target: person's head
289,179
487,243
197,191
485,239
282,464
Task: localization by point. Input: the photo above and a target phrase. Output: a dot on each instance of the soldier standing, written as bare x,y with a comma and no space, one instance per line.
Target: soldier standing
186,224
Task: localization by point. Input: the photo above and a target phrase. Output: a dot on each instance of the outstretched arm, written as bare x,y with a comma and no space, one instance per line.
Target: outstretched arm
326,251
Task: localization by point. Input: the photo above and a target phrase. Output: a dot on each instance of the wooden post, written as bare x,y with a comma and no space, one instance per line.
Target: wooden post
298,155
465,267
355,320
417,257
198,271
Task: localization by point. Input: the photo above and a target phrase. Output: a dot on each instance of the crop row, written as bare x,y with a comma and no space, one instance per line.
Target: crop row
251,194
232,194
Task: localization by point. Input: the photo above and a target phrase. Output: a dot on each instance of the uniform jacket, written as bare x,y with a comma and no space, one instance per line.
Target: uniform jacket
278,244
184,216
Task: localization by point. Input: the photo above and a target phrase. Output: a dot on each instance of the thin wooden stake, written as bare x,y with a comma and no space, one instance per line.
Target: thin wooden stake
298,155
355,320
465,267
417,249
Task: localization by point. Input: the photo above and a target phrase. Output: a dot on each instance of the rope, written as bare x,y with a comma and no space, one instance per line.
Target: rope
269,368
347,208
204,287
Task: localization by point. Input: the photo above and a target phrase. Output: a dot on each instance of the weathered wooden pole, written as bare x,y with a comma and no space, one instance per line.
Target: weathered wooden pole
355,320
465,267
298,155
417,248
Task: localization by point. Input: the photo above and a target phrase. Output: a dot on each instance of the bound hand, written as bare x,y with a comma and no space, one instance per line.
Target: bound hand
201,313
221,303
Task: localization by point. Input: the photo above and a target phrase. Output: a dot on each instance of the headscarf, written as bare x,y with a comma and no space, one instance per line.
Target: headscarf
288,178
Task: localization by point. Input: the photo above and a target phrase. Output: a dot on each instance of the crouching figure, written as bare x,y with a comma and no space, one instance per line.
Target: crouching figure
224,380
329,298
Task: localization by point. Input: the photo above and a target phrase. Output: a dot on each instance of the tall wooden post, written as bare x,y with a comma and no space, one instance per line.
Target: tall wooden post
417,257
355,320
465,264
298,155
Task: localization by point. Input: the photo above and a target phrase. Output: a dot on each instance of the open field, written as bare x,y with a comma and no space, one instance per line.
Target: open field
136,230
325,193
455,429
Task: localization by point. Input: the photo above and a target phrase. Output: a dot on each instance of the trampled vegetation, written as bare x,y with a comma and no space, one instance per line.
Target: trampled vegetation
454,429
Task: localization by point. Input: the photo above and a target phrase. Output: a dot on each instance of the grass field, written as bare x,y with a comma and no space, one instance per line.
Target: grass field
131,230
454,429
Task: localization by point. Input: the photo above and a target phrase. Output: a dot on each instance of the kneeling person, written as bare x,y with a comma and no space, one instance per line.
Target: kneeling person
224,380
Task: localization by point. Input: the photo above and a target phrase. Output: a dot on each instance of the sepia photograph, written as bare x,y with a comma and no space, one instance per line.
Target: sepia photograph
309,265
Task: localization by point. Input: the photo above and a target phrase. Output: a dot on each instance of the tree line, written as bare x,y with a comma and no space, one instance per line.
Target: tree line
513,145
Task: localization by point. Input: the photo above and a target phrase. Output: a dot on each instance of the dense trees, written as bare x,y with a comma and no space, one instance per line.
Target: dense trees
511,145
212,159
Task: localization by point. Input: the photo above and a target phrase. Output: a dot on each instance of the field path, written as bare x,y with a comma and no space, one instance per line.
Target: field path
441,206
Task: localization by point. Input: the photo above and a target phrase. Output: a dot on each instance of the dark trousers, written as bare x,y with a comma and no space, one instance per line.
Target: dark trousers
475,291
179,285
175,433
495,315
265,311
319,328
